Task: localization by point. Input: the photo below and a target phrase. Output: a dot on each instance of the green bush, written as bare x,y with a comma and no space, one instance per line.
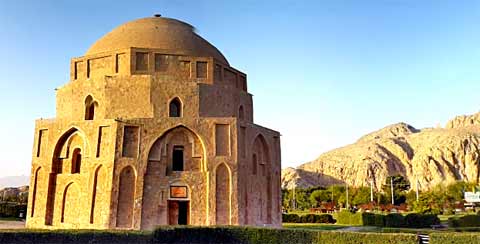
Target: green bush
349,218
191,234
308,218
454,238
325,218
379,220
12,210
317,218
290,218
328,237
465,221
395,220
415,220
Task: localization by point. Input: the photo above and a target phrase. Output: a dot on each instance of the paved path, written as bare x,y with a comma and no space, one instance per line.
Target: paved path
357,228
4,224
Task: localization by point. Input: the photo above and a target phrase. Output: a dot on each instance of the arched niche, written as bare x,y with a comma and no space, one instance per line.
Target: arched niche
241,113
164,150
175,108
260,201
126,195
99,197
35,189
222,195
160,168
261,154
70,210
90,108
61,163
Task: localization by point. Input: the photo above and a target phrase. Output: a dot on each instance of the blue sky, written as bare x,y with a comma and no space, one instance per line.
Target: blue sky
323,73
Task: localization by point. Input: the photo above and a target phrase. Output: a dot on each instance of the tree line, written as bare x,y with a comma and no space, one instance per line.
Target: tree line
439,199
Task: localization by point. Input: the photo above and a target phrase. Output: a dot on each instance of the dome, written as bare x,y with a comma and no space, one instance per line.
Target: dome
171,35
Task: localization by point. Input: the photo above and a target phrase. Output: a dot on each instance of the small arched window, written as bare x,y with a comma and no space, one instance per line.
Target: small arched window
90,107
241,113
76,161
175,108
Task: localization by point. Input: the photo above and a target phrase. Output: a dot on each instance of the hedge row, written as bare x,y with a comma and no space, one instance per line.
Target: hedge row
12,209
465,221
412,220
454,238
203,235
308,218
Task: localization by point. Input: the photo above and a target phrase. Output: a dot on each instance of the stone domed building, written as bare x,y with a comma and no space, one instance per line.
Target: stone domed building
154,128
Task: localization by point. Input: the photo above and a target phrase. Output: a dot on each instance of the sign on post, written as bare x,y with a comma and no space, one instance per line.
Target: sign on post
472,196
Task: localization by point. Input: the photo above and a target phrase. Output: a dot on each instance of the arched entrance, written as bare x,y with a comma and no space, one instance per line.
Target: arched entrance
177,153
62,160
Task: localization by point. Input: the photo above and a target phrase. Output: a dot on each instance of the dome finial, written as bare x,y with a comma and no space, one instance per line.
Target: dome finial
157,15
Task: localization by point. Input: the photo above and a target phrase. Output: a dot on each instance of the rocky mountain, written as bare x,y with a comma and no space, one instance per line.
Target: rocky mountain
432,156
14,194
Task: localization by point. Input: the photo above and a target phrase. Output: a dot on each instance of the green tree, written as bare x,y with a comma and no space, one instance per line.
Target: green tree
361,195
319,196
400,188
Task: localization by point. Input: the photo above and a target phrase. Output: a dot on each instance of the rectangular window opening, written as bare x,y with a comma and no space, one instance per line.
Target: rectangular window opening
177,158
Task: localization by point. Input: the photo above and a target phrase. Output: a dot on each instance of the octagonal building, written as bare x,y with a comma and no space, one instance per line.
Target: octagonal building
154,128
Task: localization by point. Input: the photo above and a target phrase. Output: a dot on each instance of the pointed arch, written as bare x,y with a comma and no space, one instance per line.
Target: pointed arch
70,210
95,209
126,195
263,182
160,164
90,107
261,150
76,161
222,195
71,138
175,108
241,113
34,192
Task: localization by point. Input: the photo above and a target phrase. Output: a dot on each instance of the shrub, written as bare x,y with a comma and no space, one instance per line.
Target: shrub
317,218
349,218
191,234
415,220
325,218
290,218
453,237
308,218
327,237
379,220
395,220
465,221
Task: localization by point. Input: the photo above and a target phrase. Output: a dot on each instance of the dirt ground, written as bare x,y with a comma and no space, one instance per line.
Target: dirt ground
4,224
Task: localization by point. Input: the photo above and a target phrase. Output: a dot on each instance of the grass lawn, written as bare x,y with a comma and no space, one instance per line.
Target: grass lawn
313,226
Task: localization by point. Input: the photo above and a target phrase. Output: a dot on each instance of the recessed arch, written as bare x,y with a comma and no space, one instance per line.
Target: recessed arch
241,113
175,107
34,192
160,165
97,199
76,161
126,195
70,203
222,195
261,159
90,107
61,152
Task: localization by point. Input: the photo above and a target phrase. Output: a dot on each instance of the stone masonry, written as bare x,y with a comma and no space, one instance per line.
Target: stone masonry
153,128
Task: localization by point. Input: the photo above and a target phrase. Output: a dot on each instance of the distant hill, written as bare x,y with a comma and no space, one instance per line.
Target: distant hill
14,181
432,156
